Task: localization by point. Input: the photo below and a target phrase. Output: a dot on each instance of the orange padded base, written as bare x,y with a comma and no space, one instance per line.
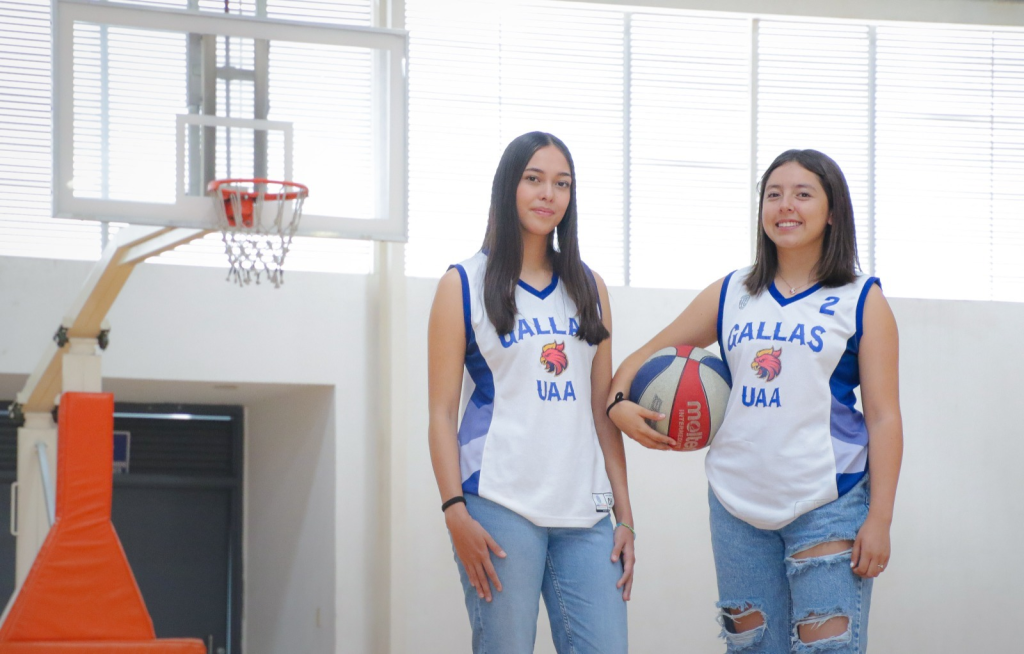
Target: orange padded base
162,646
80,594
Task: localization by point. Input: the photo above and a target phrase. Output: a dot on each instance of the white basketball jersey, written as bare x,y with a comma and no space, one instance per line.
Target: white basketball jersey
527,439
792,438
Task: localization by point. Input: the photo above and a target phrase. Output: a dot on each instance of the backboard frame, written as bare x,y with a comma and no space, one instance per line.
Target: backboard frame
391,138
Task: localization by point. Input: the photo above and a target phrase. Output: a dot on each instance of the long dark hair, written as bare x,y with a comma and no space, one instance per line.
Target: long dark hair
503,243
838,263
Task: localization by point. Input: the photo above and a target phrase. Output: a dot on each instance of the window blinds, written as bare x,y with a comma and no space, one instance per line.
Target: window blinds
26,224
482,73
670,116
950,162
689,149
814,91
927,123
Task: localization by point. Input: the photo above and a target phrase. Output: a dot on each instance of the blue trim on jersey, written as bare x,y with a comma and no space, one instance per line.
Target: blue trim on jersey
476,420
542,293
526,287
718,325
721,306
860,304
846,481
847,424
472,485
846,376
783,301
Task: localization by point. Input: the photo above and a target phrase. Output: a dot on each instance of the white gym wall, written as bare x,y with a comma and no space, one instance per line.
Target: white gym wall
299,357
957,510
303,359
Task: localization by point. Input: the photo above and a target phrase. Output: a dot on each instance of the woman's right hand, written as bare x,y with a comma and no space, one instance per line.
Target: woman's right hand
473,546
631,419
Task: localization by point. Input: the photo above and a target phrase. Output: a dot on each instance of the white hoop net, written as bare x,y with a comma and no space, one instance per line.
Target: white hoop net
257,219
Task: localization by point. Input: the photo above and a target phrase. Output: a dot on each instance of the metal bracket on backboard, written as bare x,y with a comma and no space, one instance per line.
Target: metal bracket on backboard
60,337
16,415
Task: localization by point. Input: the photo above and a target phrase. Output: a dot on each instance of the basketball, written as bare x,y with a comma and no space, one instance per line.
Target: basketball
691,387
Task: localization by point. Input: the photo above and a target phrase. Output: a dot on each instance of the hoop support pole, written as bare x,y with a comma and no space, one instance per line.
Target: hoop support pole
87,314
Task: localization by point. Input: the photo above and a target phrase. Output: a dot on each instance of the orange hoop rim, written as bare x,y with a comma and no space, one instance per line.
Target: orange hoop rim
215,187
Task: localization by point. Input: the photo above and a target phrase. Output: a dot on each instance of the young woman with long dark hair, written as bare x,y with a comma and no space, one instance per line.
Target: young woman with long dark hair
530,475
799,527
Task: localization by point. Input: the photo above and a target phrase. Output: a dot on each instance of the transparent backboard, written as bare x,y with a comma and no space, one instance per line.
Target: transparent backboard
151,104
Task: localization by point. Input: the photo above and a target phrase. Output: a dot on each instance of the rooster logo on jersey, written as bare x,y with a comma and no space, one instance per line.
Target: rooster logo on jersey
552,357
767,364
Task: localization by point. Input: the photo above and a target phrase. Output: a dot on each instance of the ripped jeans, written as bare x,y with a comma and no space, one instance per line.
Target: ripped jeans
757,573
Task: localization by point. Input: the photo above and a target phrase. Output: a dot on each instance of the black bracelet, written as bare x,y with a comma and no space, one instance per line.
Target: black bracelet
618,398
454,500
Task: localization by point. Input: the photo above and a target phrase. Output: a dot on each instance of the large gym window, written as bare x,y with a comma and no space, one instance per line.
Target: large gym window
671,116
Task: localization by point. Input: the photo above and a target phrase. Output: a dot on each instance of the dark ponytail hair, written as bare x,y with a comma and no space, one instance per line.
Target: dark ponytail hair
838,263
503,243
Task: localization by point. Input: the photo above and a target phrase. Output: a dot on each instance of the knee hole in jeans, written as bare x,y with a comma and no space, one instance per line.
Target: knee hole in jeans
825,549
743,619
743,624
818,626
815,628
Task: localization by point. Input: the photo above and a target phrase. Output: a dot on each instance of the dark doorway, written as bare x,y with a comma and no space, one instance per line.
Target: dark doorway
178,512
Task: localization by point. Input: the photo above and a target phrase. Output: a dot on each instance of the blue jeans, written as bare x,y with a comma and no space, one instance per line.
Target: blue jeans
757,573
571,568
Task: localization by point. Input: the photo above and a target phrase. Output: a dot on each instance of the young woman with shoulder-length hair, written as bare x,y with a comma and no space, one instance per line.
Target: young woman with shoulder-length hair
799,528
530,475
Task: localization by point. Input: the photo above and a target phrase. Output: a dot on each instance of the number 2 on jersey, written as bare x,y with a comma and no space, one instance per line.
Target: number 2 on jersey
830,301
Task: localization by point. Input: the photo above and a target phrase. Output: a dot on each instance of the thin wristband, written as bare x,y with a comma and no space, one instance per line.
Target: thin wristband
455,500
631,530
618,398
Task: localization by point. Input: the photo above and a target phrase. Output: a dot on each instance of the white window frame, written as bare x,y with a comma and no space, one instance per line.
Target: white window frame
391,223
976,13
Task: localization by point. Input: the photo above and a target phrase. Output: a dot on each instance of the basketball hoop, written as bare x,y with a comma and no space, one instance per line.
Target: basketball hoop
257,225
